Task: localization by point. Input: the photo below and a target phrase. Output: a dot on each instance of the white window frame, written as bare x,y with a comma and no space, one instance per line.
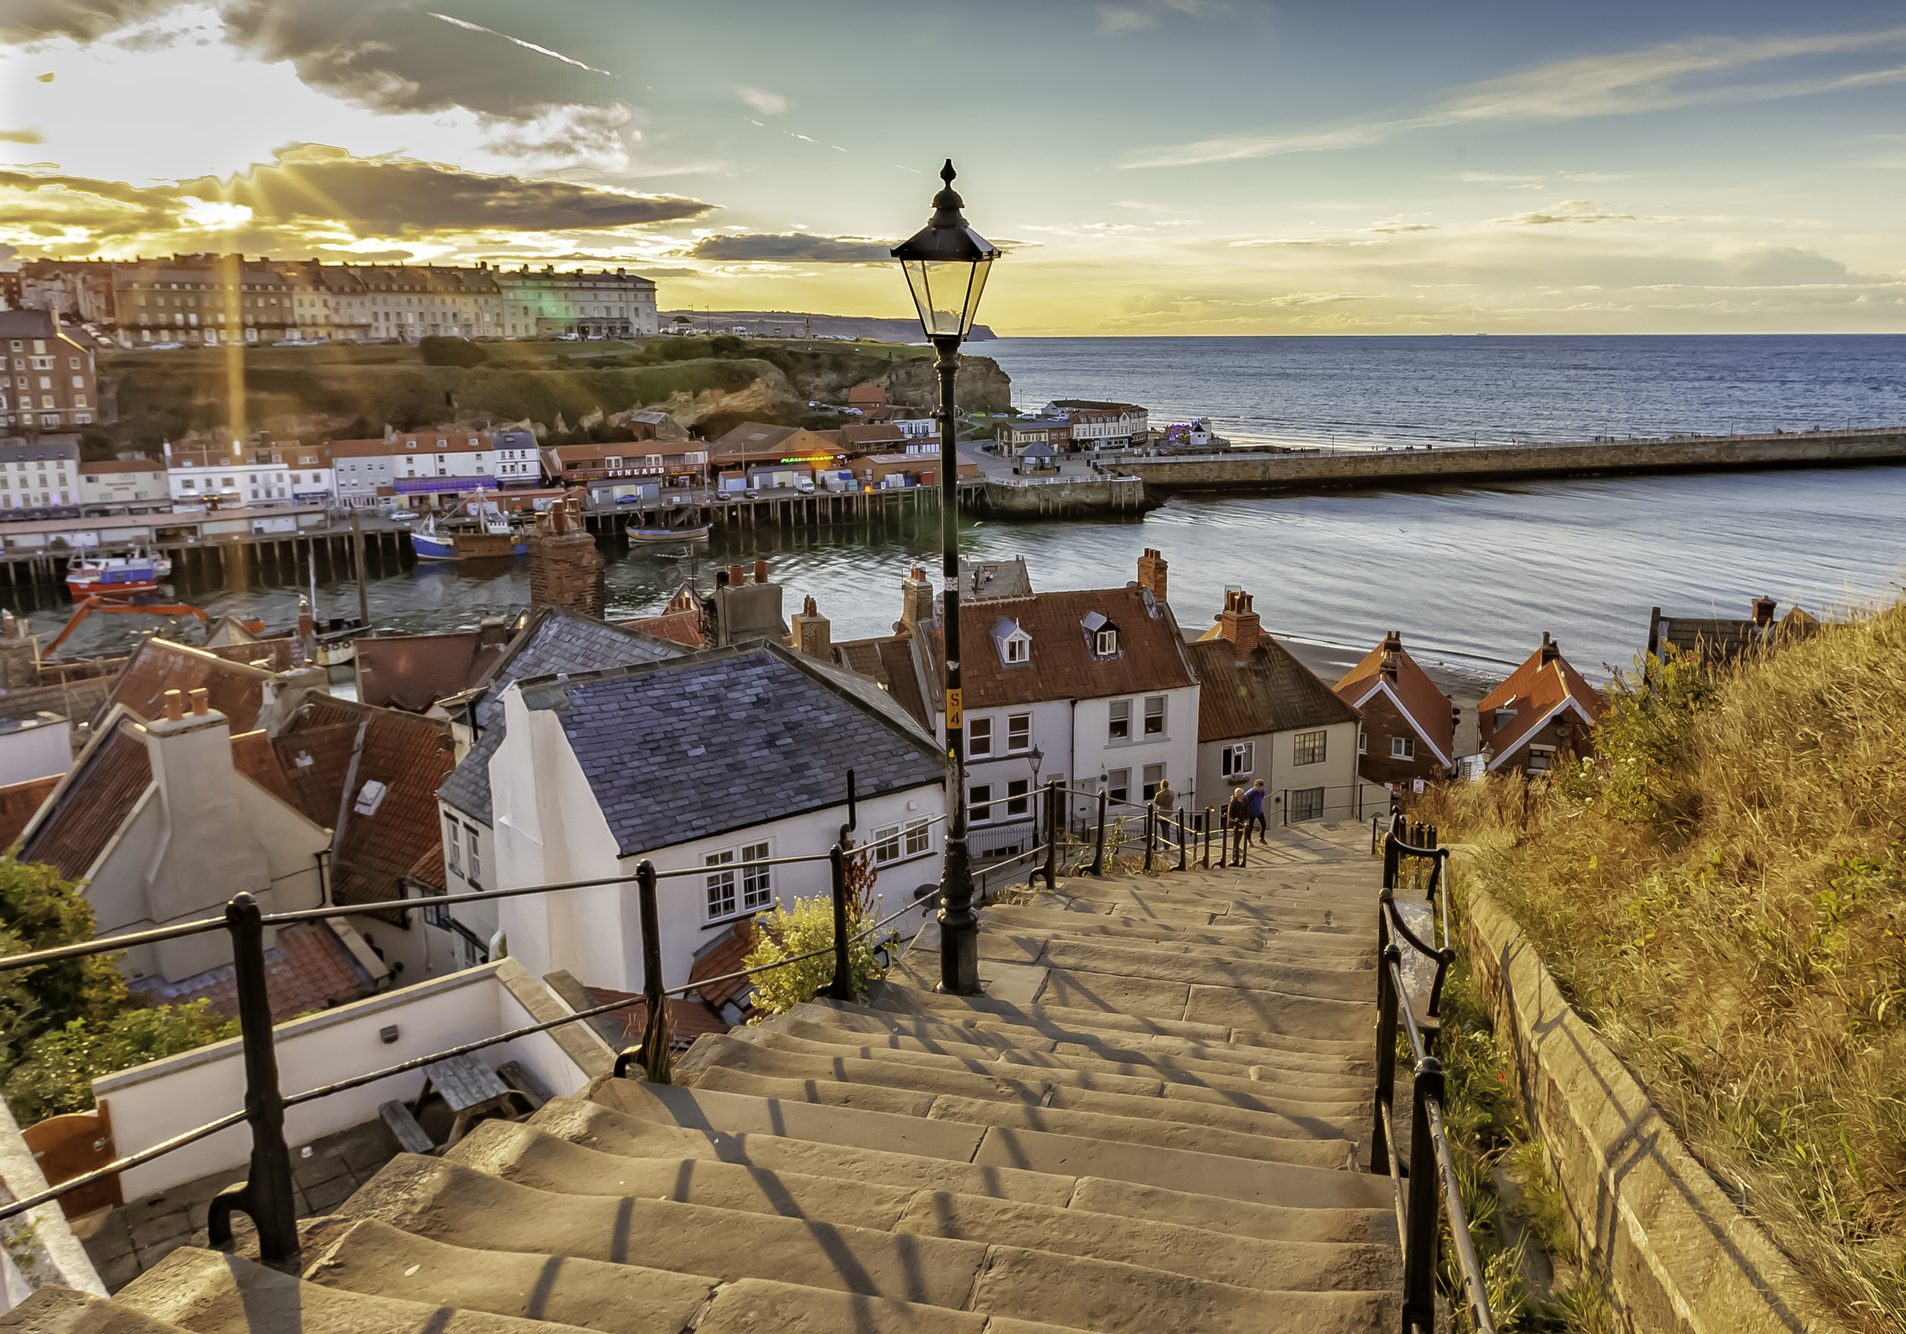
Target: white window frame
1106,643
1316,741
757,882
979,807
1118,721
473,854
1017,650
1402,747
452,854
902,842
1118,784
979,737
1238,759
722,888
1155,708
1018,733
1305,803
1018,798
1148,785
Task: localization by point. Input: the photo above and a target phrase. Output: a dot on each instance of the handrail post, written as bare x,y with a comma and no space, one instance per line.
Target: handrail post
842,987
266,1197
1390,859
1419,1253
1051,870
1204,833
1151,832
1181,838
655,1036
1387,953
1098,846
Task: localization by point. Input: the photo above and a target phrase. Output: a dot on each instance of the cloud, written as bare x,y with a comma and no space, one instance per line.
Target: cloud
1511,180
791,248
762,101
395,196
1568,211
1399,227
1117,20
29,22
1662,77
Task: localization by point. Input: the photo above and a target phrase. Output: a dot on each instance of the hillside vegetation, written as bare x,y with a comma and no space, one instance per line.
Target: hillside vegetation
567,390
1722,892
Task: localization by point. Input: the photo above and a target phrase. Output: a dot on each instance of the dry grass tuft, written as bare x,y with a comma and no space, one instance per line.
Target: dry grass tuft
1723,893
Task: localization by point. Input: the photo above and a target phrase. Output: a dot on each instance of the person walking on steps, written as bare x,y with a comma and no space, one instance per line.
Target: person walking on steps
1234,816
1254,813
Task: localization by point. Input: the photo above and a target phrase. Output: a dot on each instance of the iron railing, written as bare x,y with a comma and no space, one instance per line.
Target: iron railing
1427,1196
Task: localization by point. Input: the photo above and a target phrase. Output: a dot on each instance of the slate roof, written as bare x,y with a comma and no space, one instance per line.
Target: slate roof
554,640
413,672
1062,664
1270,691
729,739
1535,692
1426,706
349,744
308,967
86,813
235,689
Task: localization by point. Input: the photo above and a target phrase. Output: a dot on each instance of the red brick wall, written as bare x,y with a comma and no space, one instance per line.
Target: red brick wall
1381,721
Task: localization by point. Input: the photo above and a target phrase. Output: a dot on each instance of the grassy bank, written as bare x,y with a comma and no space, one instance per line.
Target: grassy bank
1722,892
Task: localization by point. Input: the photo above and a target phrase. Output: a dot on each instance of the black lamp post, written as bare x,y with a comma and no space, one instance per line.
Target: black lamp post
946,264
1037,758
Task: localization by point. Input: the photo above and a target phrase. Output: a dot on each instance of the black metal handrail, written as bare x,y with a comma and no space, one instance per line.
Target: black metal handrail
1422,1193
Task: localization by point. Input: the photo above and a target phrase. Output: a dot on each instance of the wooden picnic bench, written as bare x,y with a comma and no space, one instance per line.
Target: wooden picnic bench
471,1091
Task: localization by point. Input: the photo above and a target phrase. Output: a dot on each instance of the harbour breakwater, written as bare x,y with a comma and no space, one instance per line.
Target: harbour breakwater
1252,471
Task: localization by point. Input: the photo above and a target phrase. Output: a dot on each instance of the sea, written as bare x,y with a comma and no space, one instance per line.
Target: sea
1472,574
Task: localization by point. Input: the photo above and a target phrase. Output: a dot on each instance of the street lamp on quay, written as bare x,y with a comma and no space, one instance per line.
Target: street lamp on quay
946,263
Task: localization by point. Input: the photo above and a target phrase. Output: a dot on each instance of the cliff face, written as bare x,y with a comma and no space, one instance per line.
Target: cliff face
982,385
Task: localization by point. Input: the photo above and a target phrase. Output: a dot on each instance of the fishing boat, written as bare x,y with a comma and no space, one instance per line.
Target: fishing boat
493,536
137,571
659,536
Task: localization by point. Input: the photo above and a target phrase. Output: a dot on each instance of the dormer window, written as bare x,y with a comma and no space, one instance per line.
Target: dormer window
1106,643
1015,645
1101,634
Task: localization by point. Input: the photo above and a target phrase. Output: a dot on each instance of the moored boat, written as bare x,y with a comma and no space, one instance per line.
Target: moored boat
657,536
493,537
136,571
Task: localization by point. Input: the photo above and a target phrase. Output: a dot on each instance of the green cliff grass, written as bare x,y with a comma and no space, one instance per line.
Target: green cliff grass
1722,892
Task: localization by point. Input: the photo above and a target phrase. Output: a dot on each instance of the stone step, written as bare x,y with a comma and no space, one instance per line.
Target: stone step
66,1311
524,1156
212,1293
1255,1180
823,1040
1075,923
460,1207
1231,906
1107,1002
370,1256
1035,1035
1312,1144
1281,961
1274,1112
604,1130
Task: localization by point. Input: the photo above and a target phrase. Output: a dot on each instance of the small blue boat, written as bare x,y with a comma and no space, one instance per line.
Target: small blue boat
493,539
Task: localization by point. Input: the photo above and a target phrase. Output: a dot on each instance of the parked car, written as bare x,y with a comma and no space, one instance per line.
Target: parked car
805,486
403,514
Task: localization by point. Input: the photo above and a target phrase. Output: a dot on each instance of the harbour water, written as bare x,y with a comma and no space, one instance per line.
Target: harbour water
1471,574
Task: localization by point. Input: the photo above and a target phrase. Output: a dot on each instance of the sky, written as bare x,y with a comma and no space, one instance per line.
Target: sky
1147,167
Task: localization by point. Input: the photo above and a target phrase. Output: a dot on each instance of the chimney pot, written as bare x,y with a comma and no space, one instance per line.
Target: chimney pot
201,699
1550,652
760,571
174,705
734,576
1764,611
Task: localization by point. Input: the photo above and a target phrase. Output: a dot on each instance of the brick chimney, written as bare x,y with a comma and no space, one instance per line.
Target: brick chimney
1549,650
1236,623
565,568
19,653
1763,611
1152,570
1392,655
813,635
916,598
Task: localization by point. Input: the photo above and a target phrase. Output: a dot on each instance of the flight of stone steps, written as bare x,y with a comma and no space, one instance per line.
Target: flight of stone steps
1151,1122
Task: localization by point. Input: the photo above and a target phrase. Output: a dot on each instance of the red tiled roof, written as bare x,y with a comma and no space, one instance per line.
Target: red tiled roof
413,672
235,689
307,968
19,802
1533,693
350,745
359,449
1062,664
1417,697
680,627
728,955
888,660
687,1019
122,466
1270,691
85,815
254,757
